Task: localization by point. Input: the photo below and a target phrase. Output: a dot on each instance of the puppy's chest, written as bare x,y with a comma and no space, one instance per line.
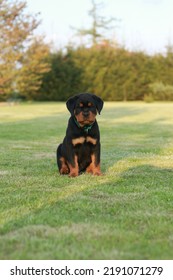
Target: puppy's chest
84,140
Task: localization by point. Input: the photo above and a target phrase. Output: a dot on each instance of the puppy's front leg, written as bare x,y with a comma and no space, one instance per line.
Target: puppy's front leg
94,167
74,167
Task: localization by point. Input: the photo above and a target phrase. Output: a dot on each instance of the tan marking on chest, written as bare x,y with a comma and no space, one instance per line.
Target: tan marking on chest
91,140
77,141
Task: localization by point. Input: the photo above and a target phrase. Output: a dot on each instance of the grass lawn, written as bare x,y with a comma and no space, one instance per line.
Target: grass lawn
125,214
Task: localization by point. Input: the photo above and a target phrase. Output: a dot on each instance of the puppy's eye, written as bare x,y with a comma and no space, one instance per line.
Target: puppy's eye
90,104
81,105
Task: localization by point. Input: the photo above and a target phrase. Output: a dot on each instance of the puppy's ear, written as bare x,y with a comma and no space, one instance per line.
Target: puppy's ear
71,104
98,102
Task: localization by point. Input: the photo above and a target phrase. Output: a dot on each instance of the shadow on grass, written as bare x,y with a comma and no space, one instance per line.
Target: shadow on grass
78,201
136,205
44,127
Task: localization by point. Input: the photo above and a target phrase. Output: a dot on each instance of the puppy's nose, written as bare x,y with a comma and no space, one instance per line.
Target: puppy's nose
85,114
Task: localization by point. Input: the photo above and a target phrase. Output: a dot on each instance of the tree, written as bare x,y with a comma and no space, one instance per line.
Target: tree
33,67
16,42
98,26
64,78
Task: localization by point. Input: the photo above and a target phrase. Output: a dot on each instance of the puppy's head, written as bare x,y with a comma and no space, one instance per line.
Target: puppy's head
84,107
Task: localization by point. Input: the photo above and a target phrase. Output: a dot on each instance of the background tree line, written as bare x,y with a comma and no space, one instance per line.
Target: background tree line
30,71
113,73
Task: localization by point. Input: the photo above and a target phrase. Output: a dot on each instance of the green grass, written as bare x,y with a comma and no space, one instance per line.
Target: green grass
125,214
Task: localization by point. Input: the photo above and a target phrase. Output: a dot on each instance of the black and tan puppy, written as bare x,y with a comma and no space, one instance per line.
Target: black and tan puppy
80,150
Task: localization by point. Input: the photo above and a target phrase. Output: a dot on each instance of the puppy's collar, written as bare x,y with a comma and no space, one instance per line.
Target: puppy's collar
86,127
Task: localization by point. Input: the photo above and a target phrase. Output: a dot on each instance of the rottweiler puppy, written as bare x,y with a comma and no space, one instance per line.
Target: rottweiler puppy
80,150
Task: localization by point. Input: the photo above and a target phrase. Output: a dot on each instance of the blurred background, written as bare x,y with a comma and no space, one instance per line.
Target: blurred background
119,50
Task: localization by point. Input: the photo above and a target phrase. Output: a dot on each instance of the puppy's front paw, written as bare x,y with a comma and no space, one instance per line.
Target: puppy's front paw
73,174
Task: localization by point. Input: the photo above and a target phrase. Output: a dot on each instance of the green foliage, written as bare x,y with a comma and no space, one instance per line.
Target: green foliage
148,98
161,92
112,72
63,80
30,71
22,62
34,65
106,69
